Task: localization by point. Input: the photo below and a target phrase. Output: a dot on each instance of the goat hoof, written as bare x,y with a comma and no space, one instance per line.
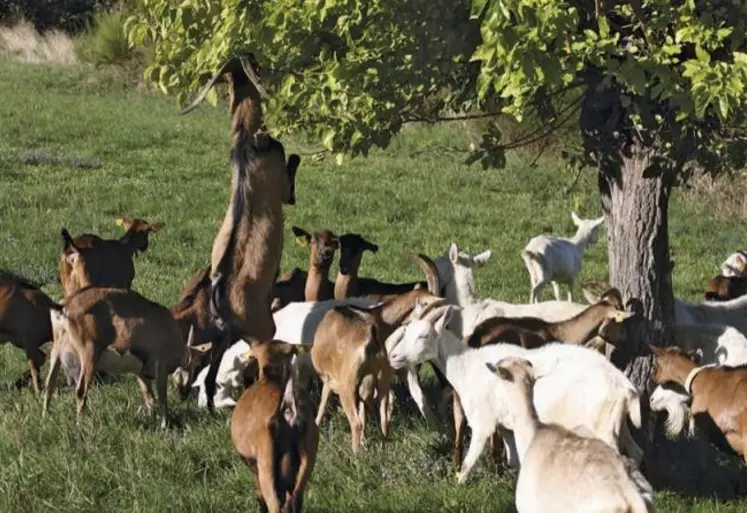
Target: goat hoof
461,477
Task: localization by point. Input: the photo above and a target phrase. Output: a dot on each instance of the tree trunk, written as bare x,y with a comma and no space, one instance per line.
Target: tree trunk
635,188
635,207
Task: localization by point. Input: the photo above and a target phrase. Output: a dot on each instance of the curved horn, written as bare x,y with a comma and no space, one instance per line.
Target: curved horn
230,66
191,336
431,273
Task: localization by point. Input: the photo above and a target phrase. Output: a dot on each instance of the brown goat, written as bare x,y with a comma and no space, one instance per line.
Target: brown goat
247,249
314,285
724,288
272,429
719,394
24,320
532,332
349,284
349,352
118,331
350,357
109,261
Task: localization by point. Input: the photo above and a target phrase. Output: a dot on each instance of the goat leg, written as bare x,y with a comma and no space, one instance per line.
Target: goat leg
220,344
460,423
310,444
35,360
51,381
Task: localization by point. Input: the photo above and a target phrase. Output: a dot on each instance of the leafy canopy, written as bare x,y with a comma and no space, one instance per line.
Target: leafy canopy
352,72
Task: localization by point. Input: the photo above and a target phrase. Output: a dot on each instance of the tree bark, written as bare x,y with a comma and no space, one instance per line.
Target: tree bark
635,186
635,207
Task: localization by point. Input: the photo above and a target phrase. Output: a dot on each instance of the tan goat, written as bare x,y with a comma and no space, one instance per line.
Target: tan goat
719,394
118,331
349,353
24,320
314,285
273,431
247,249
350,357
349,284
109,261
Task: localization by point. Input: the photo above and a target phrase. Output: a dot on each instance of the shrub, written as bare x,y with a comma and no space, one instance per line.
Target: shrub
104,40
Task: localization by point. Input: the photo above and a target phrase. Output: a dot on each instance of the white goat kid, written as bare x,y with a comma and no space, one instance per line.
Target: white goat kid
562,471
456,273
556,260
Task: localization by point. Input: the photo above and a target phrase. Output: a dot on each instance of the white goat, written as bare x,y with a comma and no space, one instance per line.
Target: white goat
578,388
456,273
562,471
556,260
229,377
735,265
296,322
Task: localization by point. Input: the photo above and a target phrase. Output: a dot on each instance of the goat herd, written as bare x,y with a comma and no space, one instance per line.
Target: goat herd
513,368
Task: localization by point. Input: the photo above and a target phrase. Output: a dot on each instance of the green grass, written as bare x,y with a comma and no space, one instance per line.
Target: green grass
77,148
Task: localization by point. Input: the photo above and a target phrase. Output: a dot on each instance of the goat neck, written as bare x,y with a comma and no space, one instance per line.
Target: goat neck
673,368
582,326
346,285
521,406
582,237
451,360
245,108
317,280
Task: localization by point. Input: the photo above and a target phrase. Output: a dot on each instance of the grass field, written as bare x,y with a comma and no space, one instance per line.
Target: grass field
77,148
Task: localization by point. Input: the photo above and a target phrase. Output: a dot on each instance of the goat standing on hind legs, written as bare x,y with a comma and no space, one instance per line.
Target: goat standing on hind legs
247,250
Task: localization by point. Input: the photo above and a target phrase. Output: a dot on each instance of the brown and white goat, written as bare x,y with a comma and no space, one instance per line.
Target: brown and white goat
273,430
719,394
247,249
314,284
24,320
118,331
531,332
724,288
349,284
109,261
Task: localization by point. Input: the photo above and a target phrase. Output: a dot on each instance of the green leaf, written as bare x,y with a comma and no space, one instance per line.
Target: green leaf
604,27
329,139
702,55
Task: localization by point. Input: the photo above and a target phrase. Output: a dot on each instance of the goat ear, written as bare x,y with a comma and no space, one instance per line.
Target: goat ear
500,371
482,257
417,308
590,297
191,336
123,222
656,350
576,219
598,221
373,248
453,253
696,356
302,236
156,227
443,321
302,348
288,405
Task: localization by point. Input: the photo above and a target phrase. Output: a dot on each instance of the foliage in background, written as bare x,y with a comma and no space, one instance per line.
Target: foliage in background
68,15
104,40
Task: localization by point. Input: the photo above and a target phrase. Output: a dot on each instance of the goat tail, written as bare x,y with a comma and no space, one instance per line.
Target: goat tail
67,240
634,410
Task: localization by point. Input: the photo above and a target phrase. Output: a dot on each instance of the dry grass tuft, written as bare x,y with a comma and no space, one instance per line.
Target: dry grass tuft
23,43
724,196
